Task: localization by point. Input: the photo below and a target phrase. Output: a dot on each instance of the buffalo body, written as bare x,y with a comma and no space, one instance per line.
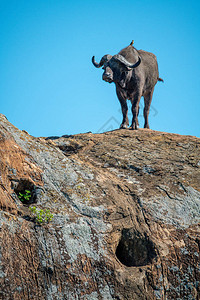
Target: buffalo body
135,74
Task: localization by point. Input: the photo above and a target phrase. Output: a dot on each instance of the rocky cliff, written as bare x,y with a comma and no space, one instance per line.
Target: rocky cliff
126,215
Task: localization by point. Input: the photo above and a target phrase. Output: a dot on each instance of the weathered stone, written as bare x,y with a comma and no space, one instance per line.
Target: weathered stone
126,208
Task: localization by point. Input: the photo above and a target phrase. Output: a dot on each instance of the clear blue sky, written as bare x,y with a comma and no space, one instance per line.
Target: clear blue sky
48,85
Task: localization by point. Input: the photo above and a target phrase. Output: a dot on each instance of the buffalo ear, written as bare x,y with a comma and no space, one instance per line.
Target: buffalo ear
127,68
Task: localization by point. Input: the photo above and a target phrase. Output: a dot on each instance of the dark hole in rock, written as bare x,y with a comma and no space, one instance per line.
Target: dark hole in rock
55,137
70,147
22,187
135,249
134,168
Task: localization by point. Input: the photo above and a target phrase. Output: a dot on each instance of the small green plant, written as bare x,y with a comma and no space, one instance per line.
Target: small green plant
41,216
25,196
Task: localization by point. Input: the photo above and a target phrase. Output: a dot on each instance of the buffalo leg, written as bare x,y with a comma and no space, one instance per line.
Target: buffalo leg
124,108
135,111
147,103
125,121
137,116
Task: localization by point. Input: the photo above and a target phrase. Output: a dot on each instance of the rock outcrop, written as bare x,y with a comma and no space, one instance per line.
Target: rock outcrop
126,208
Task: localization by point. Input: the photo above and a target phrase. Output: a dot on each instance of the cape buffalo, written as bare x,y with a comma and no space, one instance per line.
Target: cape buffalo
135,74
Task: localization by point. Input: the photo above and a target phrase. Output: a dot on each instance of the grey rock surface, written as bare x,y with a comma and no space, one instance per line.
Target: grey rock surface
126,215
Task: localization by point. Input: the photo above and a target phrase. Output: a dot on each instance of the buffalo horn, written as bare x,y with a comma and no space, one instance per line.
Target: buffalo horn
104,59
121,59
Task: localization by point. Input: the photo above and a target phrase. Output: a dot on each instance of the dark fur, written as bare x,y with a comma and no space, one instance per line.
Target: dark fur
134,83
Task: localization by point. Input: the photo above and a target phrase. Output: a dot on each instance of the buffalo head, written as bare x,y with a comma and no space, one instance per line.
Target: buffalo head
116,68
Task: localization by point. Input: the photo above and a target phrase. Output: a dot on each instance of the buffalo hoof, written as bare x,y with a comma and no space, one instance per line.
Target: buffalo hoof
146,126
134,126
123,126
